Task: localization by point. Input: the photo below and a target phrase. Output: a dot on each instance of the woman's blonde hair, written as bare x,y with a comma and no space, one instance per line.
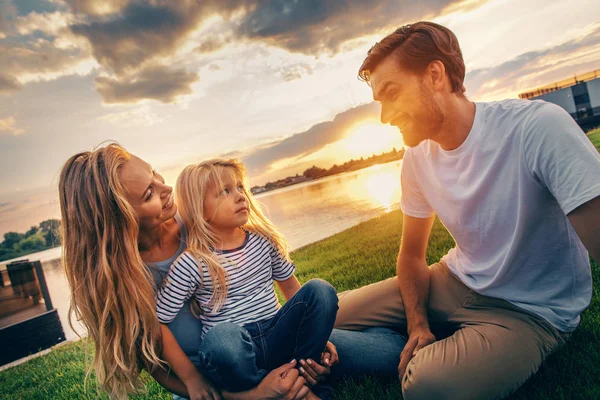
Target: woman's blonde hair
112,292
190,191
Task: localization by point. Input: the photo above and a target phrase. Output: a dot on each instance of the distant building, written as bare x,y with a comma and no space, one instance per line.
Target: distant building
579,95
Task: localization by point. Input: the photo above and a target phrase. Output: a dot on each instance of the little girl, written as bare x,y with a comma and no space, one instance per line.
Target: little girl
233,255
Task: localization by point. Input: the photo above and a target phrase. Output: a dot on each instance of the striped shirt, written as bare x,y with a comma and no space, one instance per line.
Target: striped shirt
250,270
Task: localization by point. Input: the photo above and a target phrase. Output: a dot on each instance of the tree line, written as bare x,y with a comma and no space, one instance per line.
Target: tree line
38,238
315,172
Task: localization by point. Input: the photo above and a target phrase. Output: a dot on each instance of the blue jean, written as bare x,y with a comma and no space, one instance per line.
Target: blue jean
237,357
373,351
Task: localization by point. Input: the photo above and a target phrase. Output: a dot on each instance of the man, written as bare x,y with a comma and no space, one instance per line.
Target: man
517,184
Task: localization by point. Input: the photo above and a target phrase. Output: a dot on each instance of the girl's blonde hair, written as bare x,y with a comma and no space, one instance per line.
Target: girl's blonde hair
112,292
190,191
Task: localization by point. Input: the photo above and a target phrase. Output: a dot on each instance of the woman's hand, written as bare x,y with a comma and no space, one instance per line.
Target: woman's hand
283,383
201,389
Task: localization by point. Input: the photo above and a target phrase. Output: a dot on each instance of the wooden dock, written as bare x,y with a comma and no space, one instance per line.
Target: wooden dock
28,322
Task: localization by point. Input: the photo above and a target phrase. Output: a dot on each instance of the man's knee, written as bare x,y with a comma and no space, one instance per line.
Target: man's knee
428,378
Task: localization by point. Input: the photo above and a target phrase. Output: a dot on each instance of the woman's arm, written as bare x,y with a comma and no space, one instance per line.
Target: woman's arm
169,381
289,287
198,386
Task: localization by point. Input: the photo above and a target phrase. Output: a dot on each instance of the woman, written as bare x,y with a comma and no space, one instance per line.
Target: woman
120,234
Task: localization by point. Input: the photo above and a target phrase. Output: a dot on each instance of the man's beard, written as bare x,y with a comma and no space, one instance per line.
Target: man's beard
426,124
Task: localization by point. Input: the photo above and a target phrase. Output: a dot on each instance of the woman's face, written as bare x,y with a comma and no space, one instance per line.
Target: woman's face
151,199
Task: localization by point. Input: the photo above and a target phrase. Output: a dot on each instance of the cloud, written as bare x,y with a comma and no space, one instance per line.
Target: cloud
138,117
127,36
48,23
141,32
8,12
310,141
314,26
8,83
97,7
35,59
295,71
212,44
156,82
9,126
137,32
536,68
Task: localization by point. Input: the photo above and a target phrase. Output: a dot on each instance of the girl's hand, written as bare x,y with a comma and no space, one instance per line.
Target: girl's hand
330,356
202,389
313,372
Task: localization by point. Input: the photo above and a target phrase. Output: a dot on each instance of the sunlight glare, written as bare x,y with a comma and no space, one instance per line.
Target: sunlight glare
382,187
368,138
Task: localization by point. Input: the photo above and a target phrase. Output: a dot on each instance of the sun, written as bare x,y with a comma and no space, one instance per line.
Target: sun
368,138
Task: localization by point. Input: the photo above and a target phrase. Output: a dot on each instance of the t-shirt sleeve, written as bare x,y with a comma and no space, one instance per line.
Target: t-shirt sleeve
282,268
561,157
412,201
182,281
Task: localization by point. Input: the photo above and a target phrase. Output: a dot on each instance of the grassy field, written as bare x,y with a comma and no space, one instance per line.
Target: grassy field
351,259
595,137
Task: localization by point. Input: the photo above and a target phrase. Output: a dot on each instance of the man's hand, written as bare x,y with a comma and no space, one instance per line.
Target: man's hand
283,383
416,341
314,372
330,356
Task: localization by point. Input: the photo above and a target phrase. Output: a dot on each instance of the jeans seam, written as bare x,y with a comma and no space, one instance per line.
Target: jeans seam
279,317
263,344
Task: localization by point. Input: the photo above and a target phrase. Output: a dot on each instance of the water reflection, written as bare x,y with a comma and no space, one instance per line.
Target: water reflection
315,210
305,213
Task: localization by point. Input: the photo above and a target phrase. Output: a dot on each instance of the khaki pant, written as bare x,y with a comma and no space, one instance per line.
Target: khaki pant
494,349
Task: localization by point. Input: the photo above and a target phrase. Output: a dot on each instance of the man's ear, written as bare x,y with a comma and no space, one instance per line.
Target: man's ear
436,72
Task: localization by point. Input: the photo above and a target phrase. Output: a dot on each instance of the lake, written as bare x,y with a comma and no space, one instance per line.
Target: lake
305,213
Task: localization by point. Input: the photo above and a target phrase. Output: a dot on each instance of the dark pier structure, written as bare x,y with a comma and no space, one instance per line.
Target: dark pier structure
28,321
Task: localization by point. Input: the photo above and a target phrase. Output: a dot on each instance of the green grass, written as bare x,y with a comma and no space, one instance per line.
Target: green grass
353,258
595,137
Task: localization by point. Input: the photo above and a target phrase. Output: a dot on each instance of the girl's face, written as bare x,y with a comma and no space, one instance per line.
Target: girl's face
226,207
147,193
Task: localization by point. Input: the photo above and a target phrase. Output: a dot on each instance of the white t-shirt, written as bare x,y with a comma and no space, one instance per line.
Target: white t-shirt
504,195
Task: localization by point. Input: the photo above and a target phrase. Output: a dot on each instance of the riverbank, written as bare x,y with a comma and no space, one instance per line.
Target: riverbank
358,256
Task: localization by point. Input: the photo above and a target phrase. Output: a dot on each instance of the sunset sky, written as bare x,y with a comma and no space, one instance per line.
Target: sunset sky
271,82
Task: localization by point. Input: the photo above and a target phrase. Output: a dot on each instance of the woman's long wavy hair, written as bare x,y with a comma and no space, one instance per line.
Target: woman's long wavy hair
112,292
190,191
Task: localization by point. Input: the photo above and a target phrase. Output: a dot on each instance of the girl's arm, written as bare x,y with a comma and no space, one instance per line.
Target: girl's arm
289,287
198,386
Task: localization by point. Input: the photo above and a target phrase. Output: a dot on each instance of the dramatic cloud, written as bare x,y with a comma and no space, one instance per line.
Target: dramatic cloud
535,68
142,32
137,32
155,82
9,126
314,26
310,141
